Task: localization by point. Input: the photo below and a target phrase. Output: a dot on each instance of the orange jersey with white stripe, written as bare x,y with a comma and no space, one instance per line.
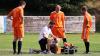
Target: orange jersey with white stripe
86,26
17,15
57,18
87,20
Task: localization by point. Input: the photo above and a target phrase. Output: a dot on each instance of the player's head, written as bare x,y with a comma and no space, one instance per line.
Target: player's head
22,3
83,9
51,24
57,8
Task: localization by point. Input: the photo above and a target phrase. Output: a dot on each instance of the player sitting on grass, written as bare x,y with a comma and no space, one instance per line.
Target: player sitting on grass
53,42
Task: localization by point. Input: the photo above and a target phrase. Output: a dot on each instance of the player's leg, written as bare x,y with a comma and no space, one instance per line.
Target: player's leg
86,40
87,44
64,40
48,44
20,39
61,34
19,45
43,43
14,40
58,48
42,46
14,45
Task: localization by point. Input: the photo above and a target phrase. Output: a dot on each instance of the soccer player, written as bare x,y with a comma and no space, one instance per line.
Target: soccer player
58,18
16,15
86,27
44,38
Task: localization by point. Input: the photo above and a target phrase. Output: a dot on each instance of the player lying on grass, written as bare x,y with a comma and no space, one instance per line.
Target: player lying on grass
54,47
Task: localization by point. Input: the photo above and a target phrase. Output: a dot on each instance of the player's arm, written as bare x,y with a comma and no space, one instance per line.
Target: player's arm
51,17
63,20
21,15
87,22
51,34
45,35
9,15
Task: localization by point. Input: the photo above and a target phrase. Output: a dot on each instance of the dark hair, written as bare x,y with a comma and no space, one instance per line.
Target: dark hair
22,3
84,8
51,23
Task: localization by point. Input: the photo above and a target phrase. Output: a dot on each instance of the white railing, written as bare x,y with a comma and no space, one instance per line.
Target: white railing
33,24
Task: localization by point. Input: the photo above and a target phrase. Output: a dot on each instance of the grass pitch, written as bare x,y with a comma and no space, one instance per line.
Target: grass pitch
31,41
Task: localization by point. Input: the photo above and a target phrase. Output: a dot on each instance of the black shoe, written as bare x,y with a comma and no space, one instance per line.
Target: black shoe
19,53
14,52
87,52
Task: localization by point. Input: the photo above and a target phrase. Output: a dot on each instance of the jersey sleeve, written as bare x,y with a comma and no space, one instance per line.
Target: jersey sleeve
21,12
88,17
63,19
51,16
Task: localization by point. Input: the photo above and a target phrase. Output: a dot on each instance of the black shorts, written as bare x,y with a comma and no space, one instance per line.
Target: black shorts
43,43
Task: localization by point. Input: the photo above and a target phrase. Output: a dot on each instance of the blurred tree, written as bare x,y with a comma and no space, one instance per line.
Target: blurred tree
70,7
44,7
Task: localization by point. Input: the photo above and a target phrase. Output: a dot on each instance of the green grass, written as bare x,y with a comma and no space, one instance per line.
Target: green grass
31,41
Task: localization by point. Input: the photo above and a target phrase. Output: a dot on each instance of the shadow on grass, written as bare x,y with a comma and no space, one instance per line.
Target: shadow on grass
24,53
95,51
7,52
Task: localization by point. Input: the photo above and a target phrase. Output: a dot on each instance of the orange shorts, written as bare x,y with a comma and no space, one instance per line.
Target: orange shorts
86,33
18,32
58,31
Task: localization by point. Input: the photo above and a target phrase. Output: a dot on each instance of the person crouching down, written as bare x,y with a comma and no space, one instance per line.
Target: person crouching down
43,38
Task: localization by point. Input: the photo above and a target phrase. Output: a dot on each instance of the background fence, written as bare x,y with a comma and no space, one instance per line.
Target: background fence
33,24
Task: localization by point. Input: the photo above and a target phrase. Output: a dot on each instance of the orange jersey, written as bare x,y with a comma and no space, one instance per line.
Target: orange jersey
17,15
87,20
18,32
57,18
86,26
58,32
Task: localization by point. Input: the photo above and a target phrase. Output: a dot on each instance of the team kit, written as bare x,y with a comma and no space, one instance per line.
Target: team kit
51,34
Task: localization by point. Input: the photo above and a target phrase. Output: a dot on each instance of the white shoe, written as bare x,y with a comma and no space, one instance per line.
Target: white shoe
43,52
30,50
50,52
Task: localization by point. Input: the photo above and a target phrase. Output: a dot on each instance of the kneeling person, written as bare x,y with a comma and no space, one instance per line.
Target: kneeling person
43,39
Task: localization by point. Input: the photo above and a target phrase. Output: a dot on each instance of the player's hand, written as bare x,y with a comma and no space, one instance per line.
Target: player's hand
21,22
55,40
64,30
9,18
87,26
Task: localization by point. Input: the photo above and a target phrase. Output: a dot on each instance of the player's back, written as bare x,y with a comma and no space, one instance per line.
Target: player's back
87,17
44,31
17,17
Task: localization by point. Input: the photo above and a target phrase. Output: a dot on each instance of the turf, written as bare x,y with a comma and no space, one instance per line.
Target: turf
31,41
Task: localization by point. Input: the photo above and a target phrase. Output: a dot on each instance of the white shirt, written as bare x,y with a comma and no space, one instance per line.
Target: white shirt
45,31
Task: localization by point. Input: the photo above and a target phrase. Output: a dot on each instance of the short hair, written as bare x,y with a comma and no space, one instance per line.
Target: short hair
22,3
84,8
58,6
51,23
